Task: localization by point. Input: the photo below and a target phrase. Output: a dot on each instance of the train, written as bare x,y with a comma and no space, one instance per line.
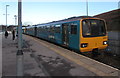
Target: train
83,33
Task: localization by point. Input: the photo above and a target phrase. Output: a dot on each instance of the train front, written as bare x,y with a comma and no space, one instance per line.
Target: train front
93,35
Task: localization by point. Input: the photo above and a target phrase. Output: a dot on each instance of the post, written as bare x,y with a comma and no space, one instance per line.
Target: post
15,20
119,5
87,7
19,52
6,17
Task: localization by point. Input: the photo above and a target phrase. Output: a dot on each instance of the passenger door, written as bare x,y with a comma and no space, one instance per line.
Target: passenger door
74,35
35,34
65,34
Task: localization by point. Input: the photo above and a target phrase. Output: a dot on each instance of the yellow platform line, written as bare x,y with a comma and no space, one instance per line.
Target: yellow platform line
77,61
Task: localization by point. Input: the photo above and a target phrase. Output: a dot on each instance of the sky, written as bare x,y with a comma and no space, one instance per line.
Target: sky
36,12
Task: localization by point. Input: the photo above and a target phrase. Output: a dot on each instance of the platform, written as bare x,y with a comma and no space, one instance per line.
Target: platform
42,58
9,50
79,61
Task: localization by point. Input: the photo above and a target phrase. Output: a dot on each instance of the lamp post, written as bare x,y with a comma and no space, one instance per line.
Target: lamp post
87,7
119,5
6,15
15,19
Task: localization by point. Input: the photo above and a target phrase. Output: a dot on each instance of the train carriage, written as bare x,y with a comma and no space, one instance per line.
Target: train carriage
79,33
23,30
30,30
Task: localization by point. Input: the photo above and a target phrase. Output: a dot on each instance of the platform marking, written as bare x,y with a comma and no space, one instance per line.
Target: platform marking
99,73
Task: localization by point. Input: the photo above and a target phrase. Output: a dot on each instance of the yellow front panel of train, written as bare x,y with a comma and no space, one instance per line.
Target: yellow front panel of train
89,42
93,43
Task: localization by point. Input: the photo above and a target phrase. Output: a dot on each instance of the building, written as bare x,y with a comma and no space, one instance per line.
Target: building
113,26
112,19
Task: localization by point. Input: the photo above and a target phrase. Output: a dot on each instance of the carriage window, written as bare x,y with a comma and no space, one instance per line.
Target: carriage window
48,29
57,28
52,28
73,28
40,29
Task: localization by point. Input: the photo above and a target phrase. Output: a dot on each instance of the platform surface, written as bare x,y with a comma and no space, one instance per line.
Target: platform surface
42,58
87,64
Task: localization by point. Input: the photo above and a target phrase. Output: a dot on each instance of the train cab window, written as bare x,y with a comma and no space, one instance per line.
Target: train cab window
73,28
86,28
93,28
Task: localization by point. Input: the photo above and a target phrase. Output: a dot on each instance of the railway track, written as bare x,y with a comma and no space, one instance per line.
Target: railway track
106,58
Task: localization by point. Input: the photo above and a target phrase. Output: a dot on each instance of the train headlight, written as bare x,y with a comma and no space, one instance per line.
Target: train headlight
105,43
83,45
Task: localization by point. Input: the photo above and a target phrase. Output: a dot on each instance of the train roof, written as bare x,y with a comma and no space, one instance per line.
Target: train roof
30,26
61,21
66,20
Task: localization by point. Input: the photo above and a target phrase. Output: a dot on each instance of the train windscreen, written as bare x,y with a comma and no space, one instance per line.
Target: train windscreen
93,28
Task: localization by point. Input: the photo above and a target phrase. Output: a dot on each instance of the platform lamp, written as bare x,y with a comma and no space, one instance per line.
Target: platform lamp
15,19
15,16
87,7
6,16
